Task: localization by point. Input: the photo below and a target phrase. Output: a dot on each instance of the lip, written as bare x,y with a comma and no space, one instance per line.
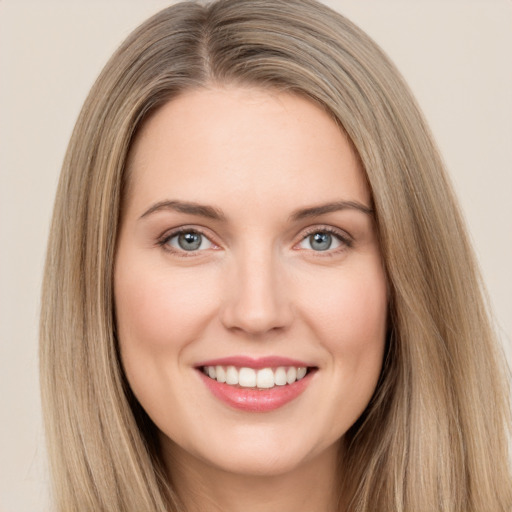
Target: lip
251,399
256,363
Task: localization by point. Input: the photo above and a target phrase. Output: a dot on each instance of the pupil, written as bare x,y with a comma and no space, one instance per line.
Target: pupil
320,241
189,241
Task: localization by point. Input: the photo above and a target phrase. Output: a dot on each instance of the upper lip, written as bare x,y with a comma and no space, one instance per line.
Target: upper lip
256,363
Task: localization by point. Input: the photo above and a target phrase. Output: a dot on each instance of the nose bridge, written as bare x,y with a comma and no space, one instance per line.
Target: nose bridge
256,296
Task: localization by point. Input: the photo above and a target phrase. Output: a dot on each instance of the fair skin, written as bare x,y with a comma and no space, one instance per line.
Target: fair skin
247,233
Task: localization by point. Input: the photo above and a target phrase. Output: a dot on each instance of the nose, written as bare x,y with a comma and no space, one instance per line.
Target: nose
257,300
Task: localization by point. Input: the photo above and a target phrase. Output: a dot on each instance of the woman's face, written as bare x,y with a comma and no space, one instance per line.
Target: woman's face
247,251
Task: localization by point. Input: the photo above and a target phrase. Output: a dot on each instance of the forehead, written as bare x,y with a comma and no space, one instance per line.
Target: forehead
214,145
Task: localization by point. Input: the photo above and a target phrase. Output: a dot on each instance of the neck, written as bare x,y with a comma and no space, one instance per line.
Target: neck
311,487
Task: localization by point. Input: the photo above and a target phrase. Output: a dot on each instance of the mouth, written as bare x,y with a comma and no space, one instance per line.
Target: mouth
260,385
262,378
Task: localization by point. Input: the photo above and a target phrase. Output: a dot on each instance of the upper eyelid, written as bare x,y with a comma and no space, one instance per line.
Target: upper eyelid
342,233
169,233
163,242
345,239
304,233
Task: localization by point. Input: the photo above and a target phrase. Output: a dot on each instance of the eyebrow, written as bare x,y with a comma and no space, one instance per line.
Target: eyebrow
335,206
214,213
186,207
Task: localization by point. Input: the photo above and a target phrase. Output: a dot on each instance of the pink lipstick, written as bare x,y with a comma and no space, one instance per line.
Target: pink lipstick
256,385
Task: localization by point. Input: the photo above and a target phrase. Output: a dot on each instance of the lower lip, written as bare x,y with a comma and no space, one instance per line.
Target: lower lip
256,400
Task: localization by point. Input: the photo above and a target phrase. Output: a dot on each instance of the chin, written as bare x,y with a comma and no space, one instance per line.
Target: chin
260,464
263,454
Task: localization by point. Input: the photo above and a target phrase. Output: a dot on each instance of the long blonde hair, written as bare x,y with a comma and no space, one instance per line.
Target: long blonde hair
434,437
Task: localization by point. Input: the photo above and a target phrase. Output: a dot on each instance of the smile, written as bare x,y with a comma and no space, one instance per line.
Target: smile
263,378
256,385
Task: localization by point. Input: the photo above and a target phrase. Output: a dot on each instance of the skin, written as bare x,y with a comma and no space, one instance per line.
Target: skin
256,287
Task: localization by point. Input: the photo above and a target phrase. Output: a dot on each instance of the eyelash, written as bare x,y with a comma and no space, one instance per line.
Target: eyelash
345,240
163,241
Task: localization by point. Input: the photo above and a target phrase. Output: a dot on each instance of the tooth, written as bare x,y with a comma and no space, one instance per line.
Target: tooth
265,378
280,376
221,374
247,377
231,375
291,375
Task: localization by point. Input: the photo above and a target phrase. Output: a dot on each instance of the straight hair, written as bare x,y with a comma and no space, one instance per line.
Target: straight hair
435,434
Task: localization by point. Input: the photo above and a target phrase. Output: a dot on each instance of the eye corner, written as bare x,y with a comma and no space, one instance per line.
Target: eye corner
329,241
187,241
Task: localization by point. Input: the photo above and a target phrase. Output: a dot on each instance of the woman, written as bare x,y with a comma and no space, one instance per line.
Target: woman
259,292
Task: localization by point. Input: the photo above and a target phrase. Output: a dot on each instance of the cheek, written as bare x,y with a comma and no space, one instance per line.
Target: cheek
159,313
351,305
351,322
353,328
158,309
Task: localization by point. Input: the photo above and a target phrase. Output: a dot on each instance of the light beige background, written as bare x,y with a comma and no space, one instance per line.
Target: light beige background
455,54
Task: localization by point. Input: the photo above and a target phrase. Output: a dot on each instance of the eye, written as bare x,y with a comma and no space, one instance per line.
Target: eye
189,241
322,240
